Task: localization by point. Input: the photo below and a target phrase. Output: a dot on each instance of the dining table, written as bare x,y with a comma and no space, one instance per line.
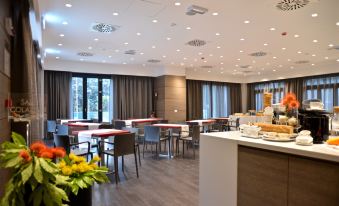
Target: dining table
88,125
65,121
203,123
134,122
183,128
99,133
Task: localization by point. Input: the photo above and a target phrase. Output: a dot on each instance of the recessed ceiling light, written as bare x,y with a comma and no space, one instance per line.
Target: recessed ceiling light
314,15
117,50
103,61
274,70
126,43
283,48
291,67
141,53
296,35
326,57
124,63
236,65
153,47
154,21
315,41
209,70
138,34
330,45
90,47
337,23
299,52
115,14
109,56
337,60
59,44
246,22
168,38
221,56
288,60
313,55
68,5
210,55
64,22
265,44
218,47
81,59
221,63
205,61
242,39
274,57
200,53
178,50
272,29
177,3
238,59
185,58
163,56
61,35
215,14
218,34
221,72
280,65
241,51
57,57
312,64
96,39
235,70
188,28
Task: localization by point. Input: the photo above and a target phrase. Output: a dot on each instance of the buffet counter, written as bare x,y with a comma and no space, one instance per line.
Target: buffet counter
236,170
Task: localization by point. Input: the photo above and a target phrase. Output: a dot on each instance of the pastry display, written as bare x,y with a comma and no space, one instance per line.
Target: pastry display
267,99
275,128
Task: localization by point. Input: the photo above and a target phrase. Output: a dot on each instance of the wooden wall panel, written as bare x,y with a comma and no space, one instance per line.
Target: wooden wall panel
262,177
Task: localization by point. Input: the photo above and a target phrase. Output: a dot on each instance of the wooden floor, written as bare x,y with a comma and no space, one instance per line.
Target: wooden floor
161,182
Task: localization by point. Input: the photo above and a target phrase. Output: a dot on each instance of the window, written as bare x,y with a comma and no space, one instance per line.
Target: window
276,88
91,97
215,100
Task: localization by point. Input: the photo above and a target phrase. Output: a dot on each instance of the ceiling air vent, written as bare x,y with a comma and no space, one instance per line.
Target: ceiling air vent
104,28
193,10
85,54
289,5
130,52
258,54
207,67
196,42
245,66
302,62
153,61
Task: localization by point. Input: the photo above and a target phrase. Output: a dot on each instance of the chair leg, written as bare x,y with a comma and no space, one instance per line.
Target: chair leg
193,150
183,148
136,163
159,146
156,149
116,171
143,150
123,163
139,154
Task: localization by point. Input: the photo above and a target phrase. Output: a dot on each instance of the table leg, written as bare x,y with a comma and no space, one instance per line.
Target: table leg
102,155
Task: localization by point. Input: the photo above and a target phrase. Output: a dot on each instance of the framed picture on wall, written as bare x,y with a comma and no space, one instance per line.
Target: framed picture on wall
7,63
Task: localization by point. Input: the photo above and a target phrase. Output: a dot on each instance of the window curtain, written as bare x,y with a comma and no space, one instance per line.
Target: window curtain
132,96
194,103
26,71
235,98
58,94
251,103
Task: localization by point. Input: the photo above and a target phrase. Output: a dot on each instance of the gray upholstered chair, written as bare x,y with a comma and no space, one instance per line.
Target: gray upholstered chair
153,136
193,139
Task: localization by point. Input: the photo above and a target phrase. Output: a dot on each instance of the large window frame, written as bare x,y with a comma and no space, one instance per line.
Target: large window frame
100,78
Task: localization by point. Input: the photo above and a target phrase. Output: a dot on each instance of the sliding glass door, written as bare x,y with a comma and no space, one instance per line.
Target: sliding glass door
91,97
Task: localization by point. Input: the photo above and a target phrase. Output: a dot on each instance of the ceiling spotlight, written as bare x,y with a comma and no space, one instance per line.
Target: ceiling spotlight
325,57
153,47
64,22
235,70
126,43
68,5
221,63
288,60
185,58
265,44
299,52
115,14
330,45
138,34
163,56
272,29
314,15
236,65
246,22
238,59
337,60
221,56
61,35
117,50
57,57
241,51
313,55
96,39
141,53
215,14
59,44
217,34
274,57
315,41
274,70
188,28
178,50
200,53
109,56
296,35
283,48
221,72
205,61
209,70
154,21
337,23
242,39
124,63
218,47
312,64
177,3
210,55
168,38
90,47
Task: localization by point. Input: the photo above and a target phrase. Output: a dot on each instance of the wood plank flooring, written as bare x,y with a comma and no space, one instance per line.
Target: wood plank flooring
162,182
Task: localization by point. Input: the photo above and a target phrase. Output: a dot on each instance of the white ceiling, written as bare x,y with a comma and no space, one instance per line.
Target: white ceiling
136,16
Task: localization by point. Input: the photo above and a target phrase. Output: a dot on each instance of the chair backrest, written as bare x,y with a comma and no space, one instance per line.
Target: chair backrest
105,126
119,124
51,126
132,130
124,144
196,133
192,123
152,133
237,122
62,141
61,129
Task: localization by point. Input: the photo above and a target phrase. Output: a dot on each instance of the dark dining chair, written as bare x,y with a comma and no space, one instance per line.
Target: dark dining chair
51,128
193,139
153,136
137,143
64,141
123,145
234,124
119,124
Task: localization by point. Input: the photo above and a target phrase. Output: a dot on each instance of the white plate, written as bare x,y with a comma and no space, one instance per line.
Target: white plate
253,137
276,139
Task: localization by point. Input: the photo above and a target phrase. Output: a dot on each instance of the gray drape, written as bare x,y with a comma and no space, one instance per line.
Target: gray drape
251,96
132,96
235,97
194,99
58,92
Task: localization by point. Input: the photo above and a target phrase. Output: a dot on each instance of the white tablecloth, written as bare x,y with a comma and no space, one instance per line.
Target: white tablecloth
251,119
91,126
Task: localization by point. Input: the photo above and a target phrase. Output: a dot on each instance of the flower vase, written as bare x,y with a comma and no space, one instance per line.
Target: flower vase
83,198
292,115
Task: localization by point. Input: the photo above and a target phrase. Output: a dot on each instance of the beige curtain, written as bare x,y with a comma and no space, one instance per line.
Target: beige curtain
194,99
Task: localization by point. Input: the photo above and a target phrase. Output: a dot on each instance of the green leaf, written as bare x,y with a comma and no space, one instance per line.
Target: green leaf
27,173
18,139
37,171
46,166
12,162
37,196
100,177
89,181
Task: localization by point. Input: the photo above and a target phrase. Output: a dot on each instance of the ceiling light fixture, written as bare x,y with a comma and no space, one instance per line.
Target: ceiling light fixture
314,15
168,38
90,47
274,57
241,51
109,56
81,59
272,29
288,60
141,53
59,44
153,47
330,45
242,39
126,43
299,52
218,47
188,28
313,55
210,55
312,64
68,5
64,22
209,70
221,56
177,3
178,50
274,70
138,34
296,35
217,34
57,57
337,23
246,22
96,39
315,41
61,35
238,59
200,53
283,48
326,57
292,67
115,14
236,65
221,63
124,63
337,60
265,44
154,21
215,14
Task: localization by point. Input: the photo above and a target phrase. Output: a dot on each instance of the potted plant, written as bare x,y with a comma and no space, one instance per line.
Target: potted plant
37,180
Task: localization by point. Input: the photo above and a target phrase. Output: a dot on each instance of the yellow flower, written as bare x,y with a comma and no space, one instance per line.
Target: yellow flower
83,167
93,166
72,156
67,170
75,168
96,158
62,164
79,159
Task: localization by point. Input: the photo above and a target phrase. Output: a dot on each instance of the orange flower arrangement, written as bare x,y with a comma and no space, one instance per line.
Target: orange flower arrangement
41,150
290,101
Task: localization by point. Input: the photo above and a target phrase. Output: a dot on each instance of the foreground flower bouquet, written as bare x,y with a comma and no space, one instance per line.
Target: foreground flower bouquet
37,180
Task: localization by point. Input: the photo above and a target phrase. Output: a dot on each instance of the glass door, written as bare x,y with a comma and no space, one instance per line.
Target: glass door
92,98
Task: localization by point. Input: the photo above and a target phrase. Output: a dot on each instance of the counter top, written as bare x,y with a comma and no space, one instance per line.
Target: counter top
317,151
